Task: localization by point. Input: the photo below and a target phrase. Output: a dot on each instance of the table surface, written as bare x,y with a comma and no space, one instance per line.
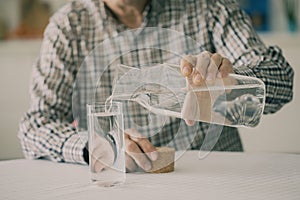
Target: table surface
220,175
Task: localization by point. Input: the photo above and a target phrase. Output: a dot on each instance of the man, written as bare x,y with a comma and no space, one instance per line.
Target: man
224,34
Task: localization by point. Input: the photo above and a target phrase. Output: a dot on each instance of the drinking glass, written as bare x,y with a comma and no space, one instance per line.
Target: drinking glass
106,143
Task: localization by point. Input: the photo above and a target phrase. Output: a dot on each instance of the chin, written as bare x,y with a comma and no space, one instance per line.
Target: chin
129,1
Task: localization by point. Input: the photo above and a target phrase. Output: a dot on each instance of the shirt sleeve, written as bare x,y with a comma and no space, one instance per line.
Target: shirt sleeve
234,37
46,130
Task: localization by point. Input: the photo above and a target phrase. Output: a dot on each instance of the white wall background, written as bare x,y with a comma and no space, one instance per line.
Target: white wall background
278,17
9,12
16,59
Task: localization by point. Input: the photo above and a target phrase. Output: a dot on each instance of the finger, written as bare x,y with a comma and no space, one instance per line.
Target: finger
189,82
225,68
190,122
198,79
190,109
98,166
102,155
187,64
133,150
145,145
130,164
212,71
203,61
101,160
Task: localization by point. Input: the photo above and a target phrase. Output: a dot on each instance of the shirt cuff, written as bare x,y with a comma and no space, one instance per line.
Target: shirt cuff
246,71
72,150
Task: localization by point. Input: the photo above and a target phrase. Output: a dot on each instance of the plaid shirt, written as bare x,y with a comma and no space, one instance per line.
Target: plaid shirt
220,26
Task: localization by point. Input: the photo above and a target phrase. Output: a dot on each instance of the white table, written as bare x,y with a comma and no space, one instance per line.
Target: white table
218,176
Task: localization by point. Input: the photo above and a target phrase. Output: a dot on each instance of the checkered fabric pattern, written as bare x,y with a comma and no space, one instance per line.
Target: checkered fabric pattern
220,26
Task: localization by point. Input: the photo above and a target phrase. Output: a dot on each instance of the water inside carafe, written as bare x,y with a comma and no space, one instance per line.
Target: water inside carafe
232,101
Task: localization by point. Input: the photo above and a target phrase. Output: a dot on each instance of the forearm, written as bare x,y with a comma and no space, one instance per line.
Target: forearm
235,38
46,130
277,75
40,137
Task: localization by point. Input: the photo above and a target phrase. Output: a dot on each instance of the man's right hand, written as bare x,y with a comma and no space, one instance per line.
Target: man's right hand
201,70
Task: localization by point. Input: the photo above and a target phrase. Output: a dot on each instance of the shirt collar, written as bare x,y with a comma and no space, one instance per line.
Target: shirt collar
103,10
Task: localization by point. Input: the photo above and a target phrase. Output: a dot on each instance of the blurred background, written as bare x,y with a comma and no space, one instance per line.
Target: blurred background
22,23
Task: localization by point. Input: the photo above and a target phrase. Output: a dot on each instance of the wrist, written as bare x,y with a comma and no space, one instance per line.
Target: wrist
86,154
